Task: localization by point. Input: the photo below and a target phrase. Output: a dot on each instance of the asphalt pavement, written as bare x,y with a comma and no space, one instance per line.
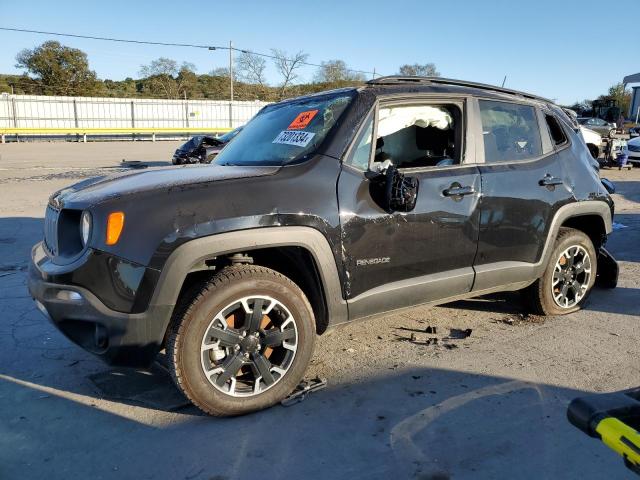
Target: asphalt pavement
489,405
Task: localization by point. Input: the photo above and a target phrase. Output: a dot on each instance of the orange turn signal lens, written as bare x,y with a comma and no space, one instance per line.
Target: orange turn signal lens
115,224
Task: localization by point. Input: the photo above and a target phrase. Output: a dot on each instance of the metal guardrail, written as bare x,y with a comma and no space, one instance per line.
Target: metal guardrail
85,132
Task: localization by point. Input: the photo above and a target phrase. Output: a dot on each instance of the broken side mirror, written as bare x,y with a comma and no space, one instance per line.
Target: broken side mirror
391,189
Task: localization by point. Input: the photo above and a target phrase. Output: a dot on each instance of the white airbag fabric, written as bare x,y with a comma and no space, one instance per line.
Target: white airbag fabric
391,120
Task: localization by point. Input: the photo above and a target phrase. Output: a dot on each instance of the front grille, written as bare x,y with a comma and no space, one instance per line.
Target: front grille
634,148
51,230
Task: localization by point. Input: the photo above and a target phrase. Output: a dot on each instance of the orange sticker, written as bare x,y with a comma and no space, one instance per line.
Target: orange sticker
302,120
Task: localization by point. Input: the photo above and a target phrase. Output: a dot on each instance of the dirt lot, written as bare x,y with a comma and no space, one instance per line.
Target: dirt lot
488,406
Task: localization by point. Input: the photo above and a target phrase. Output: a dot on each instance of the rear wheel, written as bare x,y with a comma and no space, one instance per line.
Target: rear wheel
569,276
243,343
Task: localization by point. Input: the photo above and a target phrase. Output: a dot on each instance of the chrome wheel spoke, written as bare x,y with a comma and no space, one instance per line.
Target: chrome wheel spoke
253,319
229,369
275,338
557,277
225,338
264,368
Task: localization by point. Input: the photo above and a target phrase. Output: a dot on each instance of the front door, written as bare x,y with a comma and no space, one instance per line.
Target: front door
399,259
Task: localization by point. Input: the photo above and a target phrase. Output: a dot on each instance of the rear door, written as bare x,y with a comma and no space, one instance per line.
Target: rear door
523,185
397,259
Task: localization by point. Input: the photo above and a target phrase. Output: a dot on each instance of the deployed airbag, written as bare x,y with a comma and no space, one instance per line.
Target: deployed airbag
392,120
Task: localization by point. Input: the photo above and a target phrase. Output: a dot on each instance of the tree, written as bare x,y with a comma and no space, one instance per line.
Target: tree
251,68
336,71
622,97
287,67
60,70
424,70
164,77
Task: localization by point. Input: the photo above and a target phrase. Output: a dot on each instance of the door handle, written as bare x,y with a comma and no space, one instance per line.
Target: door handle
456,190
550,181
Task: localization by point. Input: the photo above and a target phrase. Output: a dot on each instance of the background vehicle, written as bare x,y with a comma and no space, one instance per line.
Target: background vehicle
324,209
602,127
593,141
634,132
202,148
633,146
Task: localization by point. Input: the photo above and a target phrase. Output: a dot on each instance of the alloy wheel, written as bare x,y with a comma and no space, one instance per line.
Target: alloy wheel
571,276
249,346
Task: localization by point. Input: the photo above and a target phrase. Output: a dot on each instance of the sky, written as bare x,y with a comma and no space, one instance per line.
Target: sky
543,47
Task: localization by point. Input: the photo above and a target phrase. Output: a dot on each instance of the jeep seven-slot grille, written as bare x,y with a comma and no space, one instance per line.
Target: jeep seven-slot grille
51,230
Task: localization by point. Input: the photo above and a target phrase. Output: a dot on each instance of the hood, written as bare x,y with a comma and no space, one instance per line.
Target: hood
96,190
634,142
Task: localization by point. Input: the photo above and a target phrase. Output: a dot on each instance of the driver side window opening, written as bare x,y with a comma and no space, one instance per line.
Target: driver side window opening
419,136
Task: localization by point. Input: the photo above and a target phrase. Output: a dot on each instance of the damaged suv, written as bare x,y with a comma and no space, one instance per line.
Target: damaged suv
324,209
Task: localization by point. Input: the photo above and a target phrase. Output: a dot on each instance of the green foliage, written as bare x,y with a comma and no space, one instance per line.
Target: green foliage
334,71
54,69
59,70
621,95
420,70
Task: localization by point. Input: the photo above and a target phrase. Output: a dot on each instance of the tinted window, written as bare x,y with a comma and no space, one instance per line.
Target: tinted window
360,157
510,131
557,134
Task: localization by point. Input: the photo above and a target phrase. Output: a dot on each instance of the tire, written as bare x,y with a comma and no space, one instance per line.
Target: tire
197,326
595,152
176,161
612,132
543,293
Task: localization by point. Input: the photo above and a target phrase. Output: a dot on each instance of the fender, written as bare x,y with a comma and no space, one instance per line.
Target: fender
187,258
514,273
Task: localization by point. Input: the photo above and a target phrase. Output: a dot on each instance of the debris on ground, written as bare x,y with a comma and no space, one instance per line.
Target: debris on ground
431,329
303,389
520,318
456,333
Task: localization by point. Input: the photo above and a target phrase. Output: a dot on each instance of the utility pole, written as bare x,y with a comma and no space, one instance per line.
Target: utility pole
231,83
374,74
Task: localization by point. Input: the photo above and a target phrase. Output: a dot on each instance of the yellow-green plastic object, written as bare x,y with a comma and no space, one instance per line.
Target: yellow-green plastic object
620,438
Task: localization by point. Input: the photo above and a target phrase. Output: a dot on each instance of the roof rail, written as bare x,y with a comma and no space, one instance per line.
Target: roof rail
407,79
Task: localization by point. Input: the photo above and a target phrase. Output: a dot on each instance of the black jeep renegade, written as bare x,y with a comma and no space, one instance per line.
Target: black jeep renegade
324,209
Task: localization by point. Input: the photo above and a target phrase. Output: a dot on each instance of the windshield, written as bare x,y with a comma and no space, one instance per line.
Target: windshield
286,132
227,137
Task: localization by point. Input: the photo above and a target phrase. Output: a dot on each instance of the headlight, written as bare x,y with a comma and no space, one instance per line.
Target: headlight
85,227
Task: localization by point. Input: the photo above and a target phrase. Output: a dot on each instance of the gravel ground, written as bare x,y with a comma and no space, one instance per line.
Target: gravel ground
490,405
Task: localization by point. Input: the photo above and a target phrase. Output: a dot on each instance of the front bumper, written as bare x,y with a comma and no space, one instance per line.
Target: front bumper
634,156
124,339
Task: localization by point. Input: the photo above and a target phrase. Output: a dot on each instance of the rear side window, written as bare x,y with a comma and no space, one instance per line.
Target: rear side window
510,131
555,130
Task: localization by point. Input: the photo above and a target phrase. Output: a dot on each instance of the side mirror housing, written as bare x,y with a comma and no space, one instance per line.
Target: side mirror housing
391,189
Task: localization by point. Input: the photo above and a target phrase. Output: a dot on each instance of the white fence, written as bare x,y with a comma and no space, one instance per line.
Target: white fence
47,112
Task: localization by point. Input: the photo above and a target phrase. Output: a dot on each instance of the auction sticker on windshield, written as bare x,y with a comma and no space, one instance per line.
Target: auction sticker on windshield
302,120
297,138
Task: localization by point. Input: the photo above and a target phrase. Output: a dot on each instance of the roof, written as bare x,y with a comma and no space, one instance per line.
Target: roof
635,78
397,80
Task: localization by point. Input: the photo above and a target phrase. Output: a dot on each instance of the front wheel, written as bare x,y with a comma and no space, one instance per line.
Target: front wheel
569,276
243,343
